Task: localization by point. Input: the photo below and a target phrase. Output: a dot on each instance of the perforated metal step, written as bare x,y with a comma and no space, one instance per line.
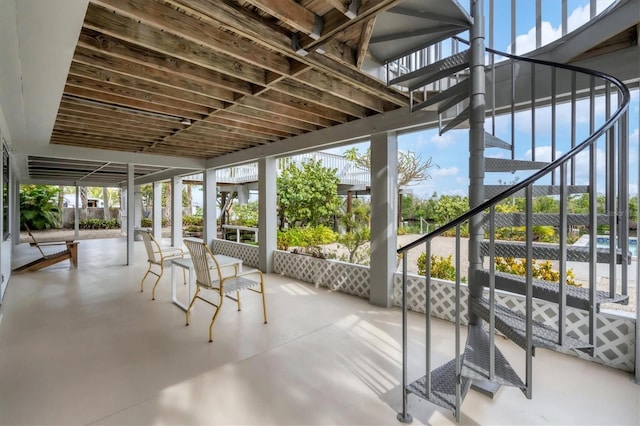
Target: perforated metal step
508,165
577,297
543,219
491,191
475,365
513,325
548,252
461,120
433,72
435,100
491,141
443,386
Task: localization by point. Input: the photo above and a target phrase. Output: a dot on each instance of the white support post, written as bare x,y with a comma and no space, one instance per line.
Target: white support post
176,211
76,215
267,218
129,211
209,206
157,210
243,194
384,194
137,212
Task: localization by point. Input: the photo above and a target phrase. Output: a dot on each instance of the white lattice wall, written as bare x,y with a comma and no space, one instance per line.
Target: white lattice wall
615,334
247,252
345,277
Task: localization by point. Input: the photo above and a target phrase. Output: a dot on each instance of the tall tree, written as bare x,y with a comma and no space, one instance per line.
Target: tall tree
307,194
411,169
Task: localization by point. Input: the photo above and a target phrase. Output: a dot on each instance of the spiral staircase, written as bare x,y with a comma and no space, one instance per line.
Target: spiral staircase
446,76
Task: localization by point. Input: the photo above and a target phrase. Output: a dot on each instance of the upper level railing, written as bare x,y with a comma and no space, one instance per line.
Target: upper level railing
514,26
346,170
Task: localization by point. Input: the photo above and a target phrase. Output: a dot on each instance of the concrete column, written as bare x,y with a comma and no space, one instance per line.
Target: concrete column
384,196
176,211
76,216
129,211
267,217
157,210
209,206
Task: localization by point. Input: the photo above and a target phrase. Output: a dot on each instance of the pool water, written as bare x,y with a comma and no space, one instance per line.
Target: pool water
603,242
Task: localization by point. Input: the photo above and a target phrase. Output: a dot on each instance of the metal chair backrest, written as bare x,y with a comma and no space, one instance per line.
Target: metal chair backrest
204,263
152,246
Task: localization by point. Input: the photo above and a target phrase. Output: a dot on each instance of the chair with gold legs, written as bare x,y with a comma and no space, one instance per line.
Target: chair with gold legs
158,257
209,276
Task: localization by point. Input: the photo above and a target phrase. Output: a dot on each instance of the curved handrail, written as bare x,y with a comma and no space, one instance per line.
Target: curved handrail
622,107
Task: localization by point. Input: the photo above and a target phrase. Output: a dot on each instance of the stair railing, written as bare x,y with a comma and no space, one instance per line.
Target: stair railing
560,166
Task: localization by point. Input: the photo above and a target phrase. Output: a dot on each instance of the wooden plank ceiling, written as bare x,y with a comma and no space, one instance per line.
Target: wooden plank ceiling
202,78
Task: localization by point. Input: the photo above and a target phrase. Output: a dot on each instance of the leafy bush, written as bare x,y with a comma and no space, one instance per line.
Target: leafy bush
246,214
441,267
146,222
38,208
98,224
310,236
543,270
189,220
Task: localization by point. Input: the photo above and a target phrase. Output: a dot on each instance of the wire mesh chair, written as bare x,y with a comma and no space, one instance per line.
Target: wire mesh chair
158,257
209,276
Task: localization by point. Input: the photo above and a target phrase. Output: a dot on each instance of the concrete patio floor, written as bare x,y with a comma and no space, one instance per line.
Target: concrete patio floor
85,346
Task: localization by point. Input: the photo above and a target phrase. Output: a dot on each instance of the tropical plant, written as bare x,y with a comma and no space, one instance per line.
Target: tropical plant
39,206
307,194
541,270
246,214
441,267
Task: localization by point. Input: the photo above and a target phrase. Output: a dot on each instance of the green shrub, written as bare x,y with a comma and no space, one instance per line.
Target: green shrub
146,222
308,236
98,224
38,208
542,270
189,220
441,267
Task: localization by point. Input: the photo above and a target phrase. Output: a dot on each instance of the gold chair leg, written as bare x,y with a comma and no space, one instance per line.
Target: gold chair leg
191,304
153,291
214,319
238,300
264,303
144,278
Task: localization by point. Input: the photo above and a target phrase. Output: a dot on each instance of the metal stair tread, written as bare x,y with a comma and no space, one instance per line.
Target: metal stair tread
577,297
552,219
456,121
475,361
491,191
513,325
548,251
443,386
433,72
491,141
508,165
442,96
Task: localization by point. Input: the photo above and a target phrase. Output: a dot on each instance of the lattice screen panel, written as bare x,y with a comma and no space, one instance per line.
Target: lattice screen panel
247,252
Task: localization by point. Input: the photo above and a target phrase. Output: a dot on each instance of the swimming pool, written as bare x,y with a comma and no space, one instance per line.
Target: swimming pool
603,242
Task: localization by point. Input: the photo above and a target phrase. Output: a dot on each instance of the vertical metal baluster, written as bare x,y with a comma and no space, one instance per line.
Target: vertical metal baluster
533,111
458,365
593,224
427,320
553,121
573,125
610,185
562,261
637,355
564,18
529,291
404,416
513,27
387,73
592,9
492,293
623,191
538,23
493,67
513,109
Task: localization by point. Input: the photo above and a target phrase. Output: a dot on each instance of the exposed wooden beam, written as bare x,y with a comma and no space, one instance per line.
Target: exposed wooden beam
231,113
265,114
363,43
79,107
340,52
292,14
286,112
98,42
304,105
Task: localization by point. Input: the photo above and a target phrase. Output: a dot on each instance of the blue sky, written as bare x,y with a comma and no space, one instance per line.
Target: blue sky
450,175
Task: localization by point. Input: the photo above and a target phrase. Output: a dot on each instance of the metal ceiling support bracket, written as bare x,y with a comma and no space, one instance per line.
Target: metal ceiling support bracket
297,46
354,6
318,26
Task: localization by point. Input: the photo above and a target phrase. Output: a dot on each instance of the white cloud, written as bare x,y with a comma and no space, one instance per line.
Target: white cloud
543,153
445,171
442,141
579,16
634,136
